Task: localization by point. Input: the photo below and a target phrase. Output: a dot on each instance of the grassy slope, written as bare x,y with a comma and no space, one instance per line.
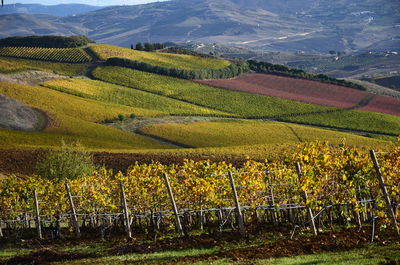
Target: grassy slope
73,119
10,65
354,119
243,104
234,133
127,96
168,60
249,105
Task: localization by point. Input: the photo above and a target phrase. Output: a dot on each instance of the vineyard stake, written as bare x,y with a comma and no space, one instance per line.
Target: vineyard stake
176,213
304,193
385,192
38,224
74,217
125,210
272,202
237,204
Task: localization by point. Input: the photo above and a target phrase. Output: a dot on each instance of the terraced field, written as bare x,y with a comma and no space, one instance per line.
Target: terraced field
236,103
168,60
11,65
72,118
107,92
68,55
239,133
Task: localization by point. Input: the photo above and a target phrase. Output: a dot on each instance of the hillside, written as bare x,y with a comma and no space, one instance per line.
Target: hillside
26,25
311,26
119,109
53,10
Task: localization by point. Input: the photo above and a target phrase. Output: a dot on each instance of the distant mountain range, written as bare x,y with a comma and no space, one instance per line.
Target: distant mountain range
54,10
313,26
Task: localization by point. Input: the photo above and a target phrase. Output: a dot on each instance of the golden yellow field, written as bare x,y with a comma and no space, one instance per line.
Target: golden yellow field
73,118
168,60
9,65
240,133
111,93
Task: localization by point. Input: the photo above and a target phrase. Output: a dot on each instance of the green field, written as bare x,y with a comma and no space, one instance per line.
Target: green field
250,105
73,118
168,60
236,103
237,133
69,55
11,65
107,92
354,119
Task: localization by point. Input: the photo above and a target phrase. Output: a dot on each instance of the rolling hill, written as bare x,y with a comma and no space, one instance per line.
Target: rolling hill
290,25
53,10
118,109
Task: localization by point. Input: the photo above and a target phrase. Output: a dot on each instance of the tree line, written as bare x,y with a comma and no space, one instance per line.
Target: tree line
49,41
277,69
233,70
180,50
148,47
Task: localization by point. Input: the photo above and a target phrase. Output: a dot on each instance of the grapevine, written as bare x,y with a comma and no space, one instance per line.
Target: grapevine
331,176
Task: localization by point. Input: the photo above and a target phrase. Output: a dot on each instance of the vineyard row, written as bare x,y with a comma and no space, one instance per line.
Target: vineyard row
64,55
281,203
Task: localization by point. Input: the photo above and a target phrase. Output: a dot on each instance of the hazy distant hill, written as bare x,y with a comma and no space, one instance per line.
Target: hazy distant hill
284,25
54,10
25,24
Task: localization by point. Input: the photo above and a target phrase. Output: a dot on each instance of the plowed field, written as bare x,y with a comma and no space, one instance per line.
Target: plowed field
383,104
292,88
23,162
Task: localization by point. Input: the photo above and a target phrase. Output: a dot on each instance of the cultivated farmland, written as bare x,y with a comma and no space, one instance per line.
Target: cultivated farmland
67,55
72,118
383,104
352,120
236,133
291,88
10,65
107,92
236,103
168,60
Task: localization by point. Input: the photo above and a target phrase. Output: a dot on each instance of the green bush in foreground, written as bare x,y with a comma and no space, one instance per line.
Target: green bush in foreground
72,161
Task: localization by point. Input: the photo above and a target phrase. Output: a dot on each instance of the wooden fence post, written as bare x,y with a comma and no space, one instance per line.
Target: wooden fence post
239,215
385,192
37,213
125,210
305,198
74,217
272,203
175,209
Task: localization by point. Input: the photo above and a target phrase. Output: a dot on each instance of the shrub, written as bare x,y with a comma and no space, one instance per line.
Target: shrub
132,116
121,117
72,161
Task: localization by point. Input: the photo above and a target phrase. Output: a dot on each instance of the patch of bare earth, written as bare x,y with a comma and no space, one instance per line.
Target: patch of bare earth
45,256
32,78
343,240
23,162
15,115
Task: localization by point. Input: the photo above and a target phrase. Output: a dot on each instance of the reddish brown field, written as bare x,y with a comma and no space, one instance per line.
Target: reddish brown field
292,88
383,104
